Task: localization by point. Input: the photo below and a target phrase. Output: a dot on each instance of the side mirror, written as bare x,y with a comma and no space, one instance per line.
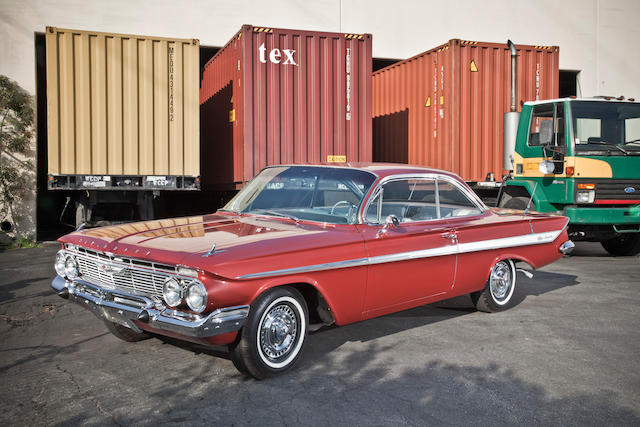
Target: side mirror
391,221
546,132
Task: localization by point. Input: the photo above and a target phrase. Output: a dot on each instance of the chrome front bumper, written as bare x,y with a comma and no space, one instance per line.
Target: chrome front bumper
124,309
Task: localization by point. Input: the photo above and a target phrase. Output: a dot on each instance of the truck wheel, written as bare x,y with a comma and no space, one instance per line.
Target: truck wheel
498,292
126,334
271,341
623,245
519,202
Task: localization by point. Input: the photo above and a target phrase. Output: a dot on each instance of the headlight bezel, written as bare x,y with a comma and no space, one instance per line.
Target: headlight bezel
178,289
194,287
71,269
585,197
59,263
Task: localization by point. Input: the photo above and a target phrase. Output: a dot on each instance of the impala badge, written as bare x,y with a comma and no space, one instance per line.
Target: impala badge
629,190
112,269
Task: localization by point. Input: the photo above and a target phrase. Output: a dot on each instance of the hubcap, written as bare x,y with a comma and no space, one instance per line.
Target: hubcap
500,281
278,332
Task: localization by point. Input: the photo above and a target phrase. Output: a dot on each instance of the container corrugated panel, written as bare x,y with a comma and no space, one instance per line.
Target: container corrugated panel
122,104
274,96
452,99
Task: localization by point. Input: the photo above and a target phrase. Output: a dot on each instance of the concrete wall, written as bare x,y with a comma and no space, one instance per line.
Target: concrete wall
595,36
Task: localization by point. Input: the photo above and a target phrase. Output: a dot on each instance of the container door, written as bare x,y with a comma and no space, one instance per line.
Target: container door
414,261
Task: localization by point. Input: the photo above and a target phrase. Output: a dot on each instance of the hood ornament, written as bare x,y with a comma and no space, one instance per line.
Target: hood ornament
211,251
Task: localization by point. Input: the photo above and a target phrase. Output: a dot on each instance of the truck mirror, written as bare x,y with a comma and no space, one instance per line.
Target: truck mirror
546,132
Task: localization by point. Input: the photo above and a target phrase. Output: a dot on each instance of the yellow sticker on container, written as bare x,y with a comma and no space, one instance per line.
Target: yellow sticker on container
232,115
428,103
473,67
337,159
441,100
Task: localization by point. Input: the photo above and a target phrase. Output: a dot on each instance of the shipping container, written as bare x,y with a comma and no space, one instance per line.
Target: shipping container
274,96
122,111
444,108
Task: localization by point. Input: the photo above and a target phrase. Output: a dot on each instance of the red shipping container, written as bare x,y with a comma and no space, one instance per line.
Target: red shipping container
444,108
276,96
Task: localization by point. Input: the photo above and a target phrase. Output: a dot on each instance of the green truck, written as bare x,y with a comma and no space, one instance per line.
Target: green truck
578,157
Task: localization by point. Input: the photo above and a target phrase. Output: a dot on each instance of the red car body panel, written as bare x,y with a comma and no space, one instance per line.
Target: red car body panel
251,249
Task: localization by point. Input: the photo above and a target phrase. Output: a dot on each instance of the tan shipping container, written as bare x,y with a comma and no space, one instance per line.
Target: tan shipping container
122,104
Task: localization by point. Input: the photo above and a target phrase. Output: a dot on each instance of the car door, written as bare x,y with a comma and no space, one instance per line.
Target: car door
413,262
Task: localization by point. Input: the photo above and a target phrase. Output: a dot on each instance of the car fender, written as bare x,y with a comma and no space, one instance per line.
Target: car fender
304,280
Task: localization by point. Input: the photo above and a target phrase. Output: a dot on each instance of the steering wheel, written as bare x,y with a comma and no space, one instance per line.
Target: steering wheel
342,202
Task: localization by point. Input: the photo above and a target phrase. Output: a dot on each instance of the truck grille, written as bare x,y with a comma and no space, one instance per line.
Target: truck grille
614,189
137,277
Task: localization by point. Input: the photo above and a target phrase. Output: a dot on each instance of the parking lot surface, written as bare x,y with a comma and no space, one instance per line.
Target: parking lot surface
567,353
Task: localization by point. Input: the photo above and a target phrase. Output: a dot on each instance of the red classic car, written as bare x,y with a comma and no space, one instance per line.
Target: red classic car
300,247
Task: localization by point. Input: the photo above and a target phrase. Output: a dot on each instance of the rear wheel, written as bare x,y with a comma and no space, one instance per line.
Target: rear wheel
498,291
126,334
271,340
623,245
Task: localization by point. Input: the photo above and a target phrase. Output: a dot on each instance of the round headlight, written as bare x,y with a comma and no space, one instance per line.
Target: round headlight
172,292
196,296
59,264
71,268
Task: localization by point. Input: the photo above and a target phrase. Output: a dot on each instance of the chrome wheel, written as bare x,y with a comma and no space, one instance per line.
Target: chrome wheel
280,332
501,282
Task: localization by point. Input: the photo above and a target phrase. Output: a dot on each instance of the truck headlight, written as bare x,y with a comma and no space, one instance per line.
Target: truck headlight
585,196
71,267
196,296
59,264
172,292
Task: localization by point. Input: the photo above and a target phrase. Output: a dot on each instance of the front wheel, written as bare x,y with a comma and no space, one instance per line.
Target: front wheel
271,340
498,291
623,245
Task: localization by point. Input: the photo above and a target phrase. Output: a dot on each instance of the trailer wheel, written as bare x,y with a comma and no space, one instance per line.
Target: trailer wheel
623,245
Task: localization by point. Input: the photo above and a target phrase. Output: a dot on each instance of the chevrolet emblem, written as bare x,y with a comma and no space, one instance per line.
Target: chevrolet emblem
112,269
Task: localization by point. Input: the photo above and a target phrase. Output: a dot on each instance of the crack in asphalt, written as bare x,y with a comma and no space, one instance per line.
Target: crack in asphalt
93,400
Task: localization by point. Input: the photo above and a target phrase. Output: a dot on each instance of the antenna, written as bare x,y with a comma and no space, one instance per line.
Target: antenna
526,211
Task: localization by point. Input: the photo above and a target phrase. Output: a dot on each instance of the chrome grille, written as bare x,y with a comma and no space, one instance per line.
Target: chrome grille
137,277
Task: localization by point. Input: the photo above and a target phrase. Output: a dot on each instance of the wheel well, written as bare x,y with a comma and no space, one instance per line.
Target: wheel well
511,191
319,311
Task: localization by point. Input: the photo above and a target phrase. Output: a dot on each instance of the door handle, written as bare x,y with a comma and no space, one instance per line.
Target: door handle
451,235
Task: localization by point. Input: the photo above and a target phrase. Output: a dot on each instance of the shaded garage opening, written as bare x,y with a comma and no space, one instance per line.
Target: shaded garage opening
568,83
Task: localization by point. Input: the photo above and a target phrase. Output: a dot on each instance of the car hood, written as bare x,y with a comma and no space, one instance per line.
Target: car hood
240,241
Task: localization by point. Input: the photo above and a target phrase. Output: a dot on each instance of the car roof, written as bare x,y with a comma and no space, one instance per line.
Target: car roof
382,170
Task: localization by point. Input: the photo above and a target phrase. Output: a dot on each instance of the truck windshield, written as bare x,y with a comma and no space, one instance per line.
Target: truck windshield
606,128
313,193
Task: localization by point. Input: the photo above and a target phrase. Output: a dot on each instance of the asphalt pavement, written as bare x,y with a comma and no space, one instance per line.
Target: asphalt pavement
566,354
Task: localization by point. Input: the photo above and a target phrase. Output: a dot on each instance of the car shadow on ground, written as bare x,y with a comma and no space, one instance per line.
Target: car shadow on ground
327,339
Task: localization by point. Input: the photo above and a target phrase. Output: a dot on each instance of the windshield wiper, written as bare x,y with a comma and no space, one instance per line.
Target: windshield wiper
610,144
278,214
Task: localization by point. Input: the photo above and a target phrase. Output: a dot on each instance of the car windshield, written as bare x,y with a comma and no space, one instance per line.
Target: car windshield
313,193
606,128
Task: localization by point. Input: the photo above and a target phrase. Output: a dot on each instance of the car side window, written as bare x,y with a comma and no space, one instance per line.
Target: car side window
454,203
409,200
419,199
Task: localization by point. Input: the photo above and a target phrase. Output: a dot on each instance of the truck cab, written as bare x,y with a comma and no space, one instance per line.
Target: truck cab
580,158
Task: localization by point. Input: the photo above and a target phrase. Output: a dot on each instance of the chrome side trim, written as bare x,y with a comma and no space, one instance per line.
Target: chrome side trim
316,267
460,248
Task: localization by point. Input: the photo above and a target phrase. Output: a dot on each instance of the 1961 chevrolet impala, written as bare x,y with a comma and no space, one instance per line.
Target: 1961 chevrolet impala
300,247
